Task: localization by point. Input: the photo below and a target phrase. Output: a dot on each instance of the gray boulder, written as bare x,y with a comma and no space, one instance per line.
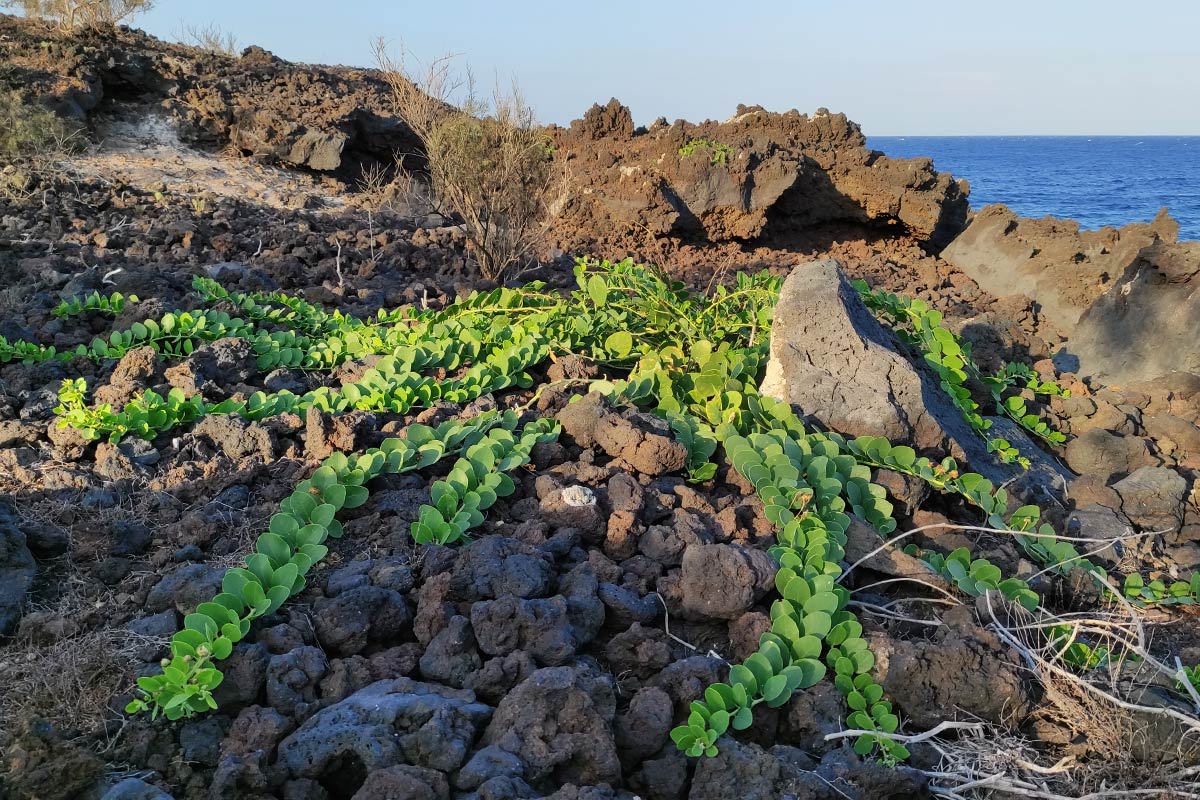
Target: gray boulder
558,722
17,570
832,359
388,723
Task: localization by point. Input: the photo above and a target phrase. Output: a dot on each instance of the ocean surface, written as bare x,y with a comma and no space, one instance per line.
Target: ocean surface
1098,180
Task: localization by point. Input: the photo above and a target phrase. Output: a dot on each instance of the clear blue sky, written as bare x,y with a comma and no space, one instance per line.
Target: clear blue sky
919,67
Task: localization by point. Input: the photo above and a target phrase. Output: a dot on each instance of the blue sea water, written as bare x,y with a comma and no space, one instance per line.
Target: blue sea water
1098,180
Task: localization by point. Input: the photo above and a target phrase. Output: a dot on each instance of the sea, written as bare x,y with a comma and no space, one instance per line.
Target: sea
1097,180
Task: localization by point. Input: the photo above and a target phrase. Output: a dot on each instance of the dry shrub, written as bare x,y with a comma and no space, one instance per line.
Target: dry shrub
29,129
72,14
211,38
488,163
71,682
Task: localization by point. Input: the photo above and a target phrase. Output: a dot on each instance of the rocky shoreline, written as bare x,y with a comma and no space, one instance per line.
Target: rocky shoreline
553,653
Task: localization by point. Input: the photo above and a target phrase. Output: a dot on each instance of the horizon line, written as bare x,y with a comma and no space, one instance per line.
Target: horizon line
1039,135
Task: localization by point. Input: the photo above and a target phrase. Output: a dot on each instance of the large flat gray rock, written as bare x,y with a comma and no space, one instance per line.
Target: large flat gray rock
838,366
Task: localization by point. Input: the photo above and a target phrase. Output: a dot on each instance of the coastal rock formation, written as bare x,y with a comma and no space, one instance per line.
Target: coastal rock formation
1051,260
754,175
322,118
1128,298
1148,323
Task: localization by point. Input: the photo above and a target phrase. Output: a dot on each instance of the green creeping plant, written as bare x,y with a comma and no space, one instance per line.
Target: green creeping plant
694,360
1060,557
950,357
718,153
806,484
107,304
476,481
975,577
284,554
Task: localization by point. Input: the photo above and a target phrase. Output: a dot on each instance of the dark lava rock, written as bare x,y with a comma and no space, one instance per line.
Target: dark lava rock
245,676
1107,454
641,440
1152,498
135,372
236,437
135,789
130,538
964,669
495,566
292,680
721,580
17,570
540,626
558,722
386,724
452,655
403,782
345,624
213,368
488,763
186,587
645,726
200,740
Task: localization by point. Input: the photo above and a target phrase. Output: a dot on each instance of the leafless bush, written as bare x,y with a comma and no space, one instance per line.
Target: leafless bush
488,163
72,14
211,38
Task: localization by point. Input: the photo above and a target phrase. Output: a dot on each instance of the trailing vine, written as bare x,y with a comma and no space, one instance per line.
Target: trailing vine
950,357
104,304
693,360
284,554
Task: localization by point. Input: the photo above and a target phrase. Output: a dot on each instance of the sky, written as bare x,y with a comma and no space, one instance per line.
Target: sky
922,67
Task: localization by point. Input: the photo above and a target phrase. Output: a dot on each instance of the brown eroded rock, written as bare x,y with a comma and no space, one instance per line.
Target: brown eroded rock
738,179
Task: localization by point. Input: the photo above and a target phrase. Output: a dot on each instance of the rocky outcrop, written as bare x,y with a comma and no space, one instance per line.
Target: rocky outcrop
1126,297
754,174
1148,323
321,118
1051,260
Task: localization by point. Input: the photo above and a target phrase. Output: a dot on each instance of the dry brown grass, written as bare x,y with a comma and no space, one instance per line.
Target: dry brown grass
1112,734
488,163
71,682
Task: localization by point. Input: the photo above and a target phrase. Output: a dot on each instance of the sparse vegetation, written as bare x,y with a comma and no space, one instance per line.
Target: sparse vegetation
209,37
28,128
488,163
104,304
719,153
71,14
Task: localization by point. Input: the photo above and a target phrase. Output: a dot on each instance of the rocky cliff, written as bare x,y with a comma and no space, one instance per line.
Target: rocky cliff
318,117
1126,297
754,176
